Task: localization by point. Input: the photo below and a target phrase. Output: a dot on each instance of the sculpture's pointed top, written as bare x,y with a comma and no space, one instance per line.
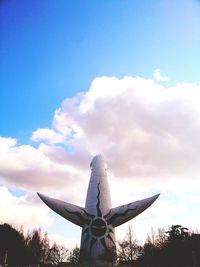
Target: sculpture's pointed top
98,157
98,161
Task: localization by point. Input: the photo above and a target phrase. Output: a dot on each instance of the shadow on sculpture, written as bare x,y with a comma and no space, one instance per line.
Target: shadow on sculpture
98,219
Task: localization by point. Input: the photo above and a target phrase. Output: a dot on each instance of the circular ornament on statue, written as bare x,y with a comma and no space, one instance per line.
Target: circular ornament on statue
98,227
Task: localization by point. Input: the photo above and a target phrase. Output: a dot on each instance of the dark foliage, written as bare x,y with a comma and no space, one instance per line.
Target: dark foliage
178,247
18,249
128,249
13,246
74,256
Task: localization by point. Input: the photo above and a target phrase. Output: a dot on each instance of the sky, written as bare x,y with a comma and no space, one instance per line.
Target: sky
117,78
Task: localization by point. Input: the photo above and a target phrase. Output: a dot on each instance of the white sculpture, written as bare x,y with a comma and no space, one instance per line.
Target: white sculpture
98,219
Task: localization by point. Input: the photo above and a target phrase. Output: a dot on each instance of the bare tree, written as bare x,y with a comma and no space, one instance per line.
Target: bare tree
156,239
128,248
160,238
151,237
74,256
57,254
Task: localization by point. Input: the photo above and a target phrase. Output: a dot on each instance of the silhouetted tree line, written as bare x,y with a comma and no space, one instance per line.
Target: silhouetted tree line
178,246
19,249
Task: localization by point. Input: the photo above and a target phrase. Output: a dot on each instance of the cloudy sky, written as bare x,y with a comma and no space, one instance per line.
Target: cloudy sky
118,78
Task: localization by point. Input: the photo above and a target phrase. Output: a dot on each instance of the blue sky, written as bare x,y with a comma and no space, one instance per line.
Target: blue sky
52,50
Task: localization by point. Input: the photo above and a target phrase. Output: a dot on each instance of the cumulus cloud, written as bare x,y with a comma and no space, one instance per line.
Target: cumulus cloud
149,134
159,77
145,130
37,169
48,135
7,142
21,211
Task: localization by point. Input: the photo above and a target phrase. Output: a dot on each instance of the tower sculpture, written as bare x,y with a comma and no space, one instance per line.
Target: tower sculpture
98,219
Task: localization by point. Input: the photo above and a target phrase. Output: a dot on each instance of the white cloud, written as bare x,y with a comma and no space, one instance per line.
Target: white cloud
39,169
21,211
47,135
154,129
148,133
158,77
7,142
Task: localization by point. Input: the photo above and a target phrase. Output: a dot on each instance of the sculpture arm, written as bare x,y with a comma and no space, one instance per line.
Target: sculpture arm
72,213
124,213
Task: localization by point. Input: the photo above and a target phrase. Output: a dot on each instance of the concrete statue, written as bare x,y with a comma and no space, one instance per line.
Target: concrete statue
98,219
